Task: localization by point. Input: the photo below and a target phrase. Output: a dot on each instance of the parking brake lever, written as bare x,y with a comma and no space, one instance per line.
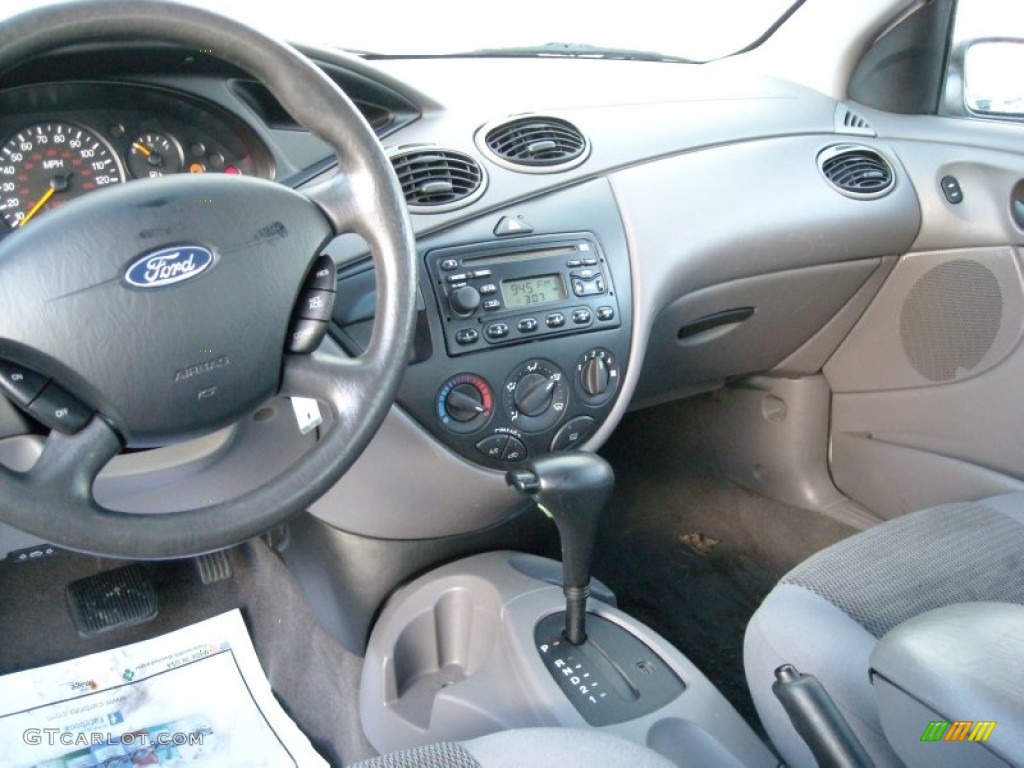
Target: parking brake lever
572,487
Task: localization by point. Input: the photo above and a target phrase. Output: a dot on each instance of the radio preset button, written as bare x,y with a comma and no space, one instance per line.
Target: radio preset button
467,336
554,320
449,264
590,262
527,325
480,273
488,289
605,314
573,263
581,316
491,304
497,330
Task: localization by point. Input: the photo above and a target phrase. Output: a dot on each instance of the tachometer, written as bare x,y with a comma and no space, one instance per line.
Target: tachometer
47,164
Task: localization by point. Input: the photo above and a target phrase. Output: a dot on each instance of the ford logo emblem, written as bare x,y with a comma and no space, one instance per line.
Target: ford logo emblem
168,266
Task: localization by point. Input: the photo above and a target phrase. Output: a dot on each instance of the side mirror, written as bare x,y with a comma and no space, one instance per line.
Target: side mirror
993,83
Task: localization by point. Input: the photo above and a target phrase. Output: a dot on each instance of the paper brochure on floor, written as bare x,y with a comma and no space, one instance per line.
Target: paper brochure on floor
195,697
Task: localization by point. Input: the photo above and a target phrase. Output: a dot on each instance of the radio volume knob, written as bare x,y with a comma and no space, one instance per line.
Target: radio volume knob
464,300
595,376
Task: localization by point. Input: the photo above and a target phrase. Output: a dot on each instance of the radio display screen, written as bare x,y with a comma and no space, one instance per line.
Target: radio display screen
531,291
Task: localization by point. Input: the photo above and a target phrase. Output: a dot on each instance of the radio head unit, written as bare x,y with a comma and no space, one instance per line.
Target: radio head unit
493,294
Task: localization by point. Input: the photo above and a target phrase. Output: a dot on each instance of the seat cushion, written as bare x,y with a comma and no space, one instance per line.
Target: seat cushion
827,614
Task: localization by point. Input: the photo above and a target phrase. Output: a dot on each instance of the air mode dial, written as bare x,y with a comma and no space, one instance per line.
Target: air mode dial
535,396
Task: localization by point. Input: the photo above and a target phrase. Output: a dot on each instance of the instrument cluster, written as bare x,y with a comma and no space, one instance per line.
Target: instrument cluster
61,141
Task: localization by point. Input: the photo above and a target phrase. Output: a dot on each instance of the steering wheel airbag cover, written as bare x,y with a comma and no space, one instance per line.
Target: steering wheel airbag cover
198,348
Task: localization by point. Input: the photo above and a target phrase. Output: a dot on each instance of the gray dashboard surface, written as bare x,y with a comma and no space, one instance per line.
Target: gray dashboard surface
713,173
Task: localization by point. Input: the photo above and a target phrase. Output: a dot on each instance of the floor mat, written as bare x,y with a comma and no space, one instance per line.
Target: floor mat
692,554
313,677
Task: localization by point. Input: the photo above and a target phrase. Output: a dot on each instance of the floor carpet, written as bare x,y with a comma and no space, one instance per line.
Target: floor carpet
313,677
690,553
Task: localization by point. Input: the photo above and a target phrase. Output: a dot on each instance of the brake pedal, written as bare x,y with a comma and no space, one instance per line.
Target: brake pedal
122,597
214,567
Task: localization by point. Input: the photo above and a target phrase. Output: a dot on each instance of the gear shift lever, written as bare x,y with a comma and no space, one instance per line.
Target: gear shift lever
571,487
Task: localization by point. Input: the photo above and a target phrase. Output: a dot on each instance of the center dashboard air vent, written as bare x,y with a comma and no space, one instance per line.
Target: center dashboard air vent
535,144
857,171
435,180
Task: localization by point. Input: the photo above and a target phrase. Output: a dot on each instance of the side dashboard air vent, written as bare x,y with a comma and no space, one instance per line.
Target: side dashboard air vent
849,122
535,143
435,180
857,171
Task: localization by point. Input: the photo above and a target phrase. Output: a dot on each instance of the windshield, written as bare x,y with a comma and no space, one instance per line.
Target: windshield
688,29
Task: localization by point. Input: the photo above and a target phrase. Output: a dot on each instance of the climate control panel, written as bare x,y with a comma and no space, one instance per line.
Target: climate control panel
535,408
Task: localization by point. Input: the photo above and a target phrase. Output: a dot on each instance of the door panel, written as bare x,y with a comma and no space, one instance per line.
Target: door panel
927,405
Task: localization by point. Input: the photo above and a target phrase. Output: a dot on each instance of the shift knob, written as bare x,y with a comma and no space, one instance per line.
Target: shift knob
573,487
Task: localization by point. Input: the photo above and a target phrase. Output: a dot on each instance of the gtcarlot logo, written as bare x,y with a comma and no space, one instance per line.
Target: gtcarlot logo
958,730
53,737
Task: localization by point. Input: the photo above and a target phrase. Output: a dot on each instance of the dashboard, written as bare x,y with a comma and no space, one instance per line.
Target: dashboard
605,235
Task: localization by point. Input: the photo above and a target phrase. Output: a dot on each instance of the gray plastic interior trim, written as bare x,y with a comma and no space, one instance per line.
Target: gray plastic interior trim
406,485
453,657
987,178
892,480
904,719
789,307
812,355
770,435
963,661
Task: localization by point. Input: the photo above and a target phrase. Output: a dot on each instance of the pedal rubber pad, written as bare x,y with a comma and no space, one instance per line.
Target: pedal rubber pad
214,567
122,597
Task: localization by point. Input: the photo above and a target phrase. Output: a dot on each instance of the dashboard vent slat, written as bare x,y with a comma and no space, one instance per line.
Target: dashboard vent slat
535,143
437,179
857,171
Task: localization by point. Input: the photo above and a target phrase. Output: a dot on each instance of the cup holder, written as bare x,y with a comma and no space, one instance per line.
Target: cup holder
441,647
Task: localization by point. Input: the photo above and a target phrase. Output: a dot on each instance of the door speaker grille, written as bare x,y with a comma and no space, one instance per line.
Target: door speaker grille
950,319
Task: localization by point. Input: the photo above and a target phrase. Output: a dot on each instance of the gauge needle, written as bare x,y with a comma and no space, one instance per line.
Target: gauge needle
142,148
35,208
57,184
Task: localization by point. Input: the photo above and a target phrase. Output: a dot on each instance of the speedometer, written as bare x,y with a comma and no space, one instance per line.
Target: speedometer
46,164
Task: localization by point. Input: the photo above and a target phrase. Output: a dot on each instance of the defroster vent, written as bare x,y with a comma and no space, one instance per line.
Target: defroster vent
535,143
857,171
435,180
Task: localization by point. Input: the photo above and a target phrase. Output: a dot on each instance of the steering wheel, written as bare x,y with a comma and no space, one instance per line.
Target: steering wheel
158,365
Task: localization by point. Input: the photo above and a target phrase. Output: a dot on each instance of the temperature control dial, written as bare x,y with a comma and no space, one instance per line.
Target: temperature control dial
535,396
597,375
465,403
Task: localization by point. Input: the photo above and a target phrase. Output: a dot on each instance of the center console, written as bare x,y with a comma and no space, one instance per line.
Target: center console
477,646
486,644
